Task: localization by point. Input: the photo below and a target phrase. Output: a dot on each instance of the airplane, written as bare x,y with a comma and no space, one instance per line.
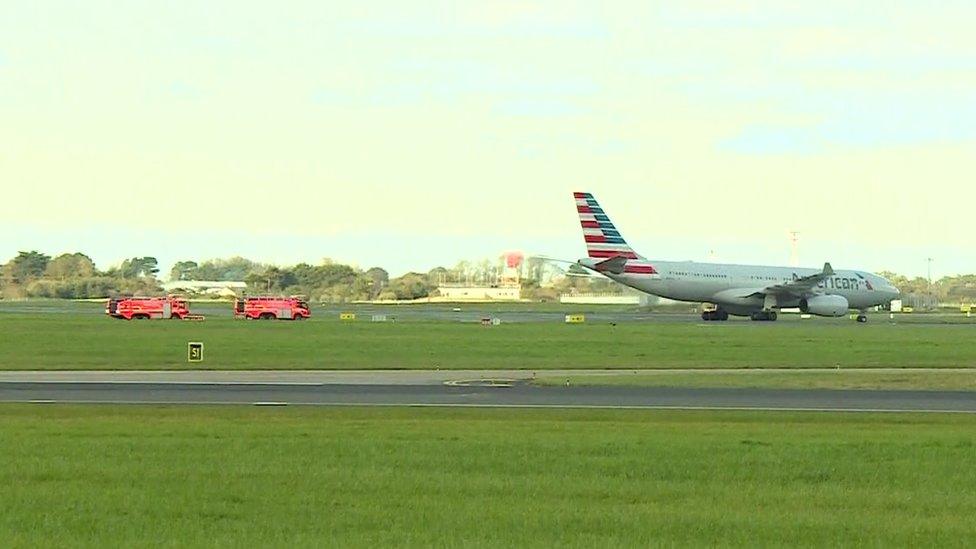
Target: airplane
742,290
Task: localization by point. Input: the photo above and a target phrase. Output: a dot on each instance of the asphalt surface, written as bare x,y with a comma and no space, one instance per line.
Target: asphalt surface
515,394
397,377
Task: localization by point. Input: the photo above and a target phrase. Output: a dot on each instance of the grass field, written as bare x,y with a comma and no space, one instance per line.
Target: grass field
233,476
942,379
93,343
81,338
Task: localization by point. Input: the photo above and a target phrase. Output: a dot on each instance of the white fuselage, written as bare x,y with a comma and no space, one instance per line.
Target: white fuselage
738,288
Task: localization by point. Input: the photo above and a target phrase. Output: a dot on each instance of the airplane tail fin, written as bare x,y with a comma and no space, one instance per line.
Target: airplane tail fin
603,240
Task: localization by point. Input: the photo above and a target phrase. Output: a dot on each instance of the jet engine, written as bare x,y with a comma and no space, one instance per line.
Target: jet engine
825,305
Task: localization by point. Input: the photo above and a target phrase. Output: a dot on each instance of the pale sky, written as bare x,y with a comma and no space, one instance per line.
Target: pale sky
414,134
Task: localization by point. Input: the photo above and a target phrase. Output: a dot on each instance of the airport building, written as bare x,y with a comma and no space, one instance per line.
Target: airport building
464,292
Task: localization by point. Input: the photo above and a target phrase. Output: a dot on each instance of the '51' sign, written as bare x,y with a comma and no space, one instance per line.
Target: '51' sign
194,352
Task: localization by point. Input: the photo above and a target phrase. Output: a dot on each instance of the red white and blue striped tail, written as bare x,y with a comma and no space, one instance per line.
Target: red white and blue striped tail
603,240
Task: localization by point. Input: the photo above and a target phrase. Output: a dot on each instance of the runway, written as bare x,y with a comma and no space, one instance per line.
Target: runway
514,394
388,377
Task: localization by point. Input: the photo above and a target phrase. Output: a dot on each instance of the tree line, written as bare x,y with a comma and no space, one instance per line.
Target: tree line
948,289
75,276
340,283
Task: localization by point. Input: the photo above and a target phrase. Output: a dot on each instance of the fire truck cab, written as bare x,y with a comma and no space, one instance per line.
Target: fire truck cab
272,308
144,308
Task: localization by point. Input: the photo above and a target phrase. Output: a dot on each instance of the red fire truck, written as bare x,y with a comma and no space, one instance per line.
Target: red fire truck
140,308
271,308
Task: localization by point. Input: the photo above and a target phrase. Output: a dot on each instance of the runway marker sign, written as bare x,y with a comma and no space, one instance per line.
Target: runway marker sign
194,351
347,316
575,319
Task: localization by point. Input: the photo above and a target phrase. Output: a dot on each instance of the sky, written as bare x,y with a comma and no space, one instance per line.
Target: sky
416,134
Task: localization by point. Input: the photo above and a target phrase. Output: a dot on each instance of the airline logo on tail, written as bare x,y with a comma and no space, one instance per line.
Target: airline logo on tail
603,240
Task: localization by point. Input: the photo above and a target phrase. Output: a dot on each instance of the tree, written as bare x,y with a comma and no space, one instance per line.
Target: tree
235,268
462,271
26,266
485,271
377,279
307,276
535,268
410,286
958,289
183,270
271,279
139,266
437,276
378,276
76,265
362,289
335,273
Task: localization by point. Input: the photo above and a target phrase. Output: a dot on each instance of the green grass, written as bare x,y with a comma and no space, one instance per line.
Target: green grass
951,380
89,340
238,476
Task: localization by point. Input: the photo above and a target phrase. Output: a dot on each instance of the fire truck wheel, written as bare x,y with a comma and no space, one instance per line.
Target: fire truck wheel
140,317
266,316
299,317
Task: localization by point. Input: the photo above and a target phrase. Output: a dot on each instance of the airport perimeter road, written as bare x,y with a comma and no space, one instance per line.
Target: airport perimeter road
518,394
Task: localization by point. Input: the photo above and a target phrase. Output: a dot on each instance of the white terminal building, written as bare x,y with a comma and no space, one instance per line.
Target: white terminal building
627,298
487,292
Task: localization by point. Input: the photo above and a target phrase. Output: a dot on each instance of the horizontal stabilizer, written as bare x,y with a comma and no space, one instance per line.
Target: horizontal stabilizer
552,259
614,265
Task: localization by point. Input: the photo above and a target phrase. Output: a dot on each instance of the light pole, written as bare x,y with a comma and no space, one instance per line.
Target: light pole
931,289
794,248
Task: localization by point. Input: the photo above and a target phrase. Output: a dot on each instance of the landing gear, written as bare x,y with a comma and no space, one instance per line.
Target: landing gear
718,314
862,318
763,316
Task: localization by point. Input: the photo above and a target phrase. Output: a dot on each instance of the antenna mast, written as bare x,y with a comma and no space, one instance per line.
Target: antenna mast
794,249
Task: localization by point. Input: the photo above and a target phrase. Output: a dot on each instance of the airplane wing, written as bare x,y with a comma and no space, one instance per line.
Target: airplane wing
799,287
